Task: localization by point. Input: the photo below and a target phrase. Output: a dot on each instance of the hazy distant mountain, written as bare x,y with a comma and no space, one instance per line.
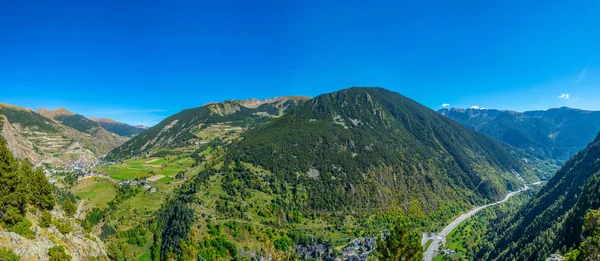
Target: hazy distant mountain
119,128
186,130
553,220
555,133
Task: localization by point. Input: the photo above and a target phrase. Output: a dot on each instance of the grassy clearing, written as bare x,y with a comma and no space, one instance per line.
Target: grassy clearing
96,192
165,180
146,167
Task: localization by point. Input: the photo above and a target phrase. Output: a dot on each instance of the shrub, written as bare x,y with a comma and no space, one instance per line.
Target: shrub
63,226
58,253
23,228
46,219
8,255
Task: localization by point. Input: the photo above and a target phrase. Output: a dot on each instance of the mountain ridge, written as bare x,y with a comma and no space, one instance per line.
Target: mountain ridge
190,128
556,133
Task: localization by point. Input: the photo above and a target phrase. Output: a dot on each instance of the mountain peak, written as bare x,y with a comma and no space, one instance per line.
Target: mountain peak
104,120
53,113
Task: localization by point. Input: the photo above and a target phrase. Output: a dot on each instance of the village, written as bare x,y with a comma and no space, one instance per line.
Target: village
358,249
83,170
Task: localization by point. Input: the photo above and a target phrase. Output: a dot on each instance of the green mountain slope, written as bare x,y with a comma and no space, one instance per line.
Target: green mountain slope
78,122
553,220
336,167
369,147
119,128
556,133
188,129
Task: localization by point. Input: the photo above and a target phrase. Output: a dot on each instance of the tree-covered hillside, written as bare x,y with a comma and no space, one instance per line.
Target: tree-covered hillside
337,167
556,133
119,128
78,122
370,147
553,220
188,127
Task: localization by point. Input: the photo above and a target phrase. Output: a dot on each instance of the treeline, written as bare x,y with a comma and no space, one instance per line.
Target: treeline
21,186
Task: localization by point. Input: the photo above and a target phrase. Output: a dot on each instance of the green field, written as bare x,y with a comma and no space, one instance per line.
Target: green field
147,167
96,192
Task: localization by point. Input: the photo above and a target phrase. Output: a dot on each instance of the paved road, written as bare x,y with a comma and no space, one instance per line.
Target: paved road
441,237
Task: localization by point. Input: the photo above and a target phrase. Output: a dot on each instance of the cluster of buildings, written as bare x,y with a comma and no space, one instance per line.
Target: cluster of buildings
315,251
359,249
89,173
144,184
448,252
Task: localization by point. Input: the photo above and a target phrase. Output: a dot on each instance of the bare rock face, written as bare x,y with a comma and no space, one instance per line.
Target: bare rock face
555,257
17,144
77,244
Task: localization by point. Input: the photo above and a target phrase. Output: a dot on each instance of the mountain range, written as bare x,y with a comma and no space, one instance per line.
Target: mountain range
555,133
288,170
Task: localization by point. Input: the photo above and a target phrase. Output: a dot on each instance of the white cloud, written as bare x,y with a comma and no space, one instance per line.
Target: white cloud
446,105
565,96
475,107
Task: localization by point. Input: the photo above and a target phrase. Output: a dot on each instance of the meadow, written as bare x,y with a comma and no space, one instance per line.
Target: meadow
147,167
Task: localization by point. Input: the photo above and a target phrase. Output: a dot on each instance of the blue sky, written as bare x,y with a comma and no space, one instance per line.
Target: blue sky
140,61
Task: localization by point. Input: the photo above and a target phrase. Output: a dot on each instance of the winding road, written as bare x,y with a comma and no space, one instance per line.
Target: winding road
441,237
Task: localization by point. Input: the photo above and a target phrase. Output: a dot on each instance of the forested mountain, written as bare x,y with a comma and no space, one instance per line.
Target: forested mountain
553,221
190,128
370,147
40,139
344,162
119,128
555,133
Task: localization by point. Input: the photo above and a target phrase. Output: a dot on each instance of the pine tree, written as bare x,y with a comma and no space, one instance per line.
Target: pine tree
70,207
400,245
13,188
41,190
